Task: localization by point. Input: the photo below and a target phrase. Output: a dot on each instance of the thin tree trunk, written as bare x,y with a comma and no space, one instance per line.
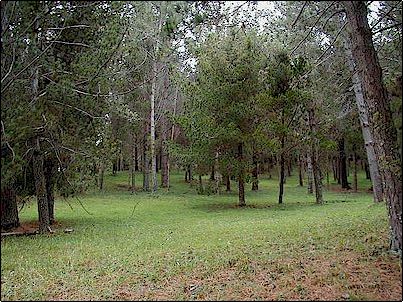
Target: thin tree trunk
136,161
317,174
309,173
343,164
133,165
212,175
227,183
241,177
40,186
355,180
255,175
101,176
367,173
282,174
380,116
366,132
300,172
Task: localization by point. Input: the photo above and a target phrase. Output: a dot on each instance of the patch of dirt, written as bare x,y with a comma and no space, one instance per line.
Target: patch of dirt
31,226
342,276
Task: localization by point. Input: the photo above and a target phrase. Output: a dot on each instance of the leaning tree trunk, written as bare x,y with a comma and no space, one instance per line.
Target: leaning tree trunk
241,177
379,114
9,210
282,174
343,164
40,186
366,132
317,174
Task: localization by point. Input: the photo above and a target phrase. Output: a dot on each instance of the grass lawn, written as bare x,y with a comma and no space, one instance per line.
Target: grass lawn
179,245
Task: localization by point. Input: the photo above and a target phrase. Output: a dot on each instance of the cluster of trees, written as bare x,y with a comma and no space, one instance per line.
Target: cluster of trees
95,86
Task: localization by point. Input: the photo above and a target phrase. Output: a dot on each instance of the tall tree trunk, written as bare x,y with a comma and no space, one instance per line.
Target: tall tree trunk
343,164
282,174
136,161
255,179
366,132
133,165
309,172
9,210
380,116
300,171
164,165
241,177
152,131
289,167
355,180
49,170
317,174
40,186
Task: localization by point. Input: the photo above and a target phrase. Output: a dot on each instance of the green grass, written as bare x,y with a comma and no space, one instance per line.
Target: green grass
116,252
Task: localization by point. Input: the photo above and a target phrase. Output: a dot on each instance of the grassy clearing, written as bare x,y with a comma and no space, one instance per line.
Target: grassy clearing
178,245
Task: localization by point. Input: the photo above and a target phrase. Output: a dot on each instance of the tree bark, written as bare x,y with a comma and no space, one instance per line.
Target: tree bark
40,187
366,132
241,177
133,165
9,210
380,116
343,164
164,154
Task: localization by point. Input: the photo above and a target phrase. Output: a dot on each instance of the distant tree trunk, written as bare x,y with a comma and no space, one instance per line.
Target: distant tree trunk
317,173
255,179
146,166
114,167
136,161
289,167
334,167
9,210
201,189
309,173
366,132
355,180
300,172
367,174
343,164
186,175
227,183
133,165
49,170
241,177
282,176
101,176
164,153
380,116
212,175
40,186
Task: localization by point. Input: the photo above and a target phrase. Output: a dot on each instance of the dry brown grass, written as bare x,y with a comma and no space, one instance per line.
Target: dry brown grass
342,276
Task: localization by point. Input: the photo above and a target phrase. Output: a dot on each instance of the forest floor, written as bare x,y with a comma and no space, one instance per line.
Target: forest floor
180,245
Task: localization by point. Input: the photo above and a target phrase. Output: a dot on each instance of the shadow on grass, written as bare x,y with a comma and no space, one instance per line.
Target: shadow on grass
223,206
